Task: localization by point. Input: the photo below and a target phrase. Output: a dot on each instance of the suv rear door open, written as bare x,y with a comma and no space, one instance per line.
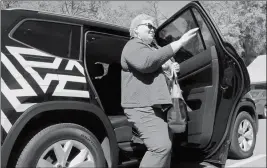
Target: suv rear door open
208,76
199,73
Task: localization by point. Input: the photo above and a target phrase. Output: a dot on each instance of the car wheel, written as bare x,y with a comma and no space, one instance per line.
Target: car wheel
244,137
62,145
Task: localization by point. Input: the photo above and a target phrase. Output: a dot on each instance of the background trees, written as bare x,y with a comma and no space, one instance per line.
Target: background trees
7,4
242,23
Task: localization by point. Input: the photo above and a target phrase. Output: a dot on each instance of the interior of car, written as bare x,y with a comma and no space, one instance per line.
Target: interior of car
105,72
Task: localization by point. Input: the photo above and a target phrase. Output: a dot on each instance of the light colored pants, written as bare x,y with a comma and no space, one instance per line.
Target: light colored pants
153,130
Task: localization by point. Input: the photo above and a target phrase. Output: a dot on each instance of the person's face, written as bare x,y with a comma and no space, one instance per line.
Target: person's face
146,31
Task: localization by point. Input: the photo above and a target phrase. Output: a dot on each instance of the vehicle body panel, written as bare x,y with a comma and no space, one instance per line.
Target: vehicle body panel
50,107
31,78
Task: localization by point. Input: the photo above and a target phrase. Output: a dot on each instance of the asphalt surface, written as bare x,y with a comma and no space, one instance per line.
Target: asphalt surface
259,156
257,160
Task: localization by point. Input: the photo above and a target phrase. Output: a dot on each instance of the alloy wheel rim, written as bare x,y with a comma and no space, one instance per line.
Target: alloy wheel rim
245,135
66,153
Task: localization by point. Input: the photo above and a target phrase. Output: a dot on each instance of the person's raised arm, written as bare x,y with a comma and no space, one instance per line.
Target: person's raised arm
147,61
176,45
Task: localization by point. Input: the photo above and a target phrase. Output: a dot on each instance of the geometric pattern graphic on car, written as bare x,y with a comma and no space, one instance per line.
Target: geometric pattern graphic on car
29,76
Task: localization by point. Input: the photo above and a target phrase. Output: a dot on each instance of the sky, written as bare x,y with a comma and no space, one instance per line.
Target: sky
168,8
257,69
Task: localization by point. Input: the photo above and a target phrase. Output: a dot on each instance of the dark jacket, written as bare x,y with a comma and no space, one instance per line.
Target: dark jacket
142,78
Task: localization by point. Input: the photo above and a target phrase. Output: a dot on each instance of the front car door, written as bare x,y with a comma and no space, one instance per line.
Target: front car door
212,78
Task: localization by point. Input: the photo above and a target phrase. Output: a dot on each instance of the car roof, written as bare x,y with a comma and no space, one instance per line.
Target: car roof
70,19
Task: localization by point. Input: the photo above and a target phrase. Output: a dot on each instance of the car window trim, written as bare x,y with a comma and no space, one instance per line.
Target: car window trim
106,34
81,44
10,35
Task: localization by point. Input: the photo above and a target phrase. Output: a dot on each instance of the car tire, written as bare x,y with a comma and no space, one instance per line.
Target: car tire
59,145
243,140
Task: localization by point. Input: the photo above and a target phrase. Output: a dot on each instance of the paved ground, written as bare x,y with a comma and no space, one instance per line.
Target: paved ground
258,160
259,157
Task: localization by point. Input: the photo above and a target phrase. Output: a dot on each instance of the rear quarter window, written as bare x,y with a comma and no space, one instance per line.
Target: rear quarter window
58,39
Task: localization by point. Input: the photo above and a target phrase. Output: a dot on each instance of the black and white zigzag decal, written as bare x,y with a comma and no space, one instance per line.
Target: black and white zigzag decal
44,83
26,90
12,95
5,123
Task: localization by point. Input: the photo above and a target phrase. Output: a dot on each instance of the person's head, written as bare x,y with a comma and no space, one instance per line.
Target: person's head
142,26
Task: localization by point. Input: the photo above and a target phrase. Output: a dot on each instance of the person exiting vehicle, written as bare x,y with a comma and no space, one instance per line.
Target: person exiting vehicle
144,88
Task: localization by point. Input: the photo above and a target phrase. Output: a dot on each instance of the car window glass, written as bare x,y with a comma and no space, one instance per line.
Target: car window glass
187,20
176,29
58,39
204,29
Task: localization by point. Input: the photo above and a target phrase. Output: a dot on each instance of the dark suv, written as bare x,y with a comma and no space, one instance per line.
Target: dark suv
60,93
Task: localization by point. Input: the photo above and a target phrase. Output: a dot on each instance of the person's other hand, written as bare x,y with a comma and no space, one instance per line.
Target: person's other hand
188,36
176,67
